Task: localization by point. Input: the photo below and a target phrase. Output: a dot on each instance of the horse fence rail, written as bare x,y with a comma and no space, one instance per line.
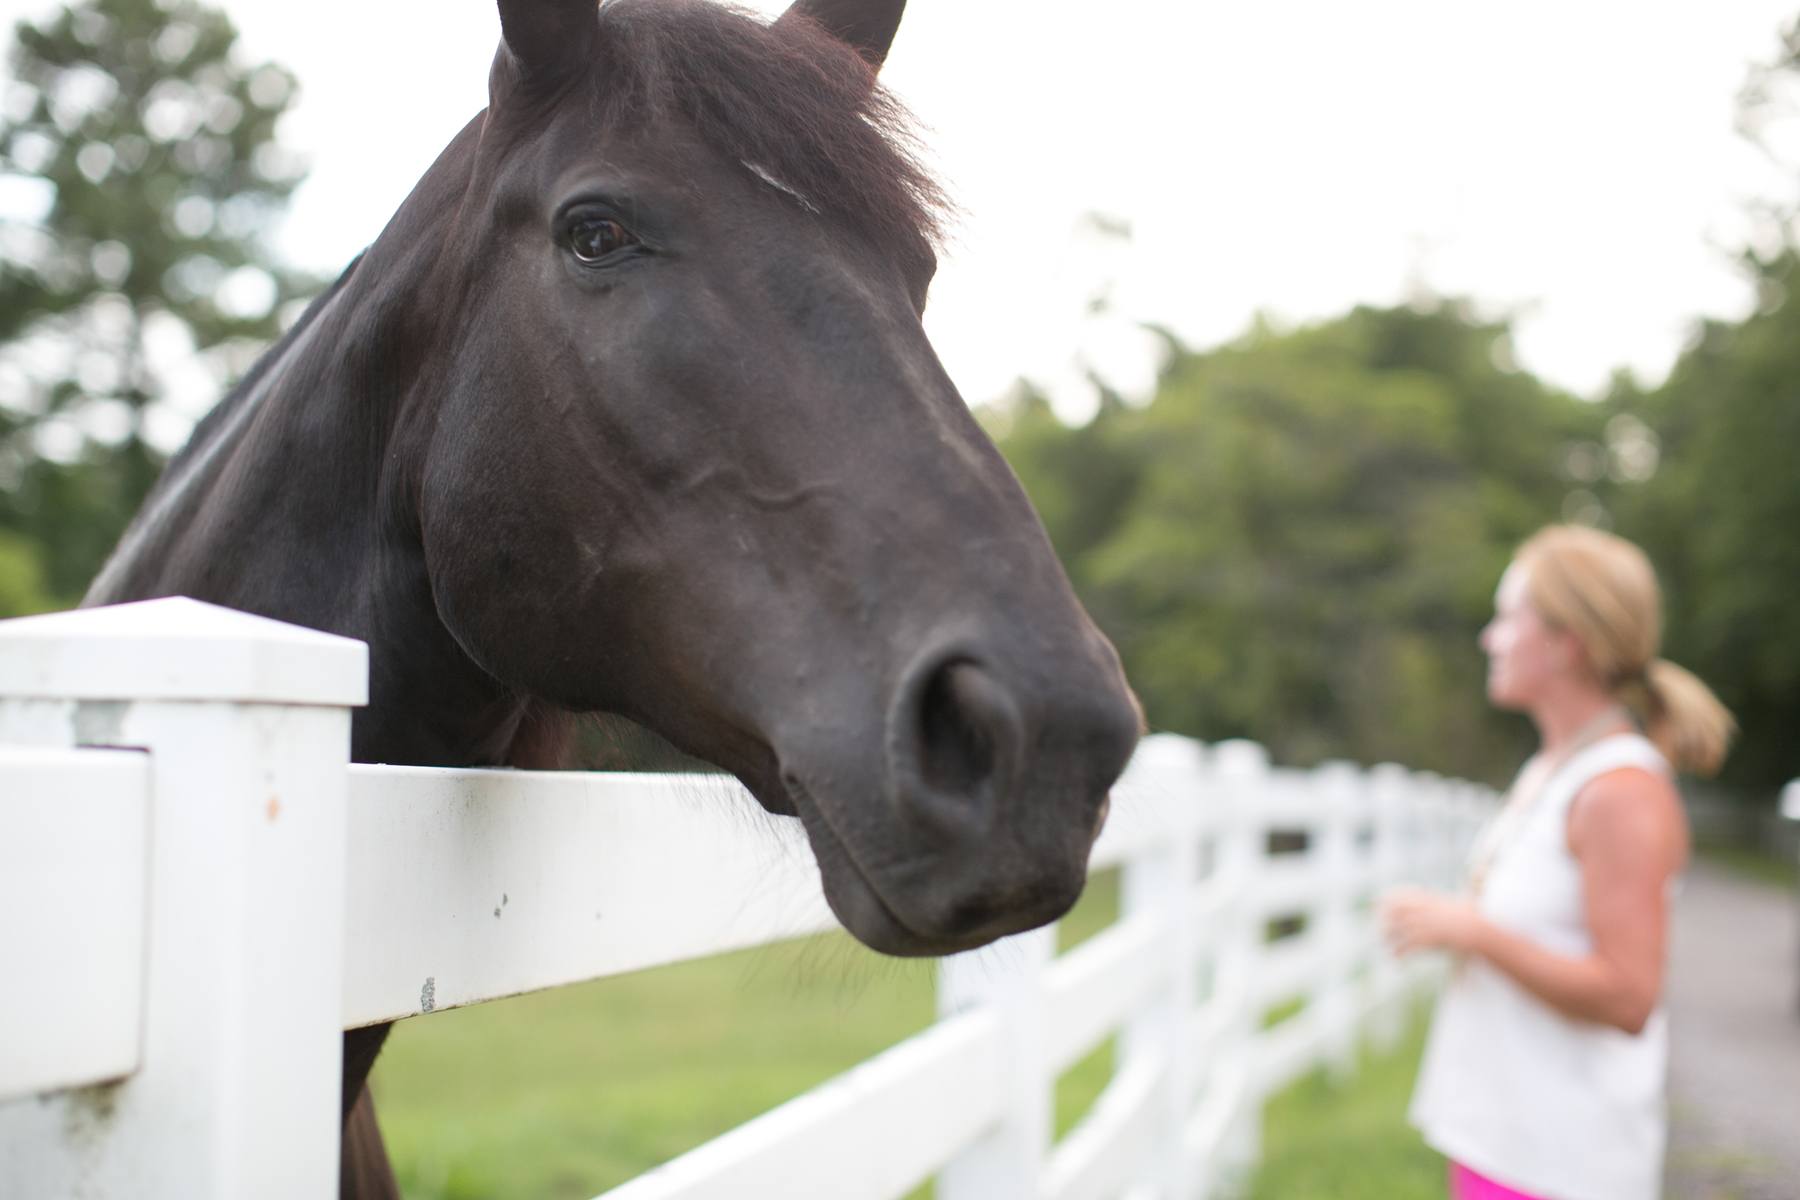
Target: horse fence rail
202,892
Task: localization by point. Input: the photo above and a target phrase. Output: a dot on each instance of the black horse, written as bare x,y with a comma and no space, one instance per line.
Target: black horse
629,410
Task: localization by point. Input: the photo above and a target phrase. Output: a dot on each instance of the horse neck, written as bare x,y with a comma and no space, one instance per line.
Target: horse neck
294,498
190,534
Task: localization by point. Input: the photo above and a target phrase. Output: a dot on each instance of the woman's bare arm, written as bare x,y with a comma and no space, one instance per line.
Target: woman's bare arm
1627,831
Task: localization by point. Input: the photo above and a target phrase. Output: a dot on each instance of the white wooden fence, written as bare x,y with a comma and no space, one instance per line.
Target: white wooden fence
198,893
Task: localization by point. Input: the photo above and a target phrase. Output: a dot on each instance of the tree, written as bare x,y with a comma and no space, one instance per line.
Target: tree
151,148
1720,512
1768,117
1297,539
1721,518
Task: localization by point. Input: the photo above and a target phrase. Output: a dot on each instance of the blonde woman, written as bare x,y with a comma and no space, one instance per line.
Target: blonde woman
1543,1075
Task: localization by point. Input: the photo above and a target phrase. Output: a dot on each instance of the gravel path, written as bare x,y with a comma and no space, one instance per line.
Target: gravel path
1734,1075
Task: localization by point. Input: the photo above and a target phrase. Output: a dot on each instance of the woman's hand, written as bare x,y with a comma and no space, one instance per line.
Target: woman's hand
1415,919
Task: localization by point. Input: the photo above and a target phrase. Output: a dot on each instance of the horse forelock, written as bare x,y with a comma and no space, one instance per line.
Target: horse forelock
788,101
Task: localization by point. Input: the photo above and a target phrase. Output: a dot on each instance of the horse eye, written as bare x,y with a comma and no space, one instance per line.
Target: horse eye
593,238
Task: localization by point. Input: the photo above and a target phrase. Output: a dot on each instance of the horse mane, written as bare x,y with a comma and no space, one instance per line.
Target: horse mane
786,99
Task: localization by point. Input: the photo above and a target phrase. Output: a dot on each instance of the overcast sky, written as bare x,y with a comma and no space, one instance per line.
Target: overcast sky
1572,162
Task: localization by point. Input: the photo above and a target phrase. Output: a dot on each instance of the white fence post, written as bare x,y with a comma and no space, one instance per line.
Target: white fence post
1444,826
1473,812
1007,1162
1241,774
1163,882
1387,786
1333,1001
246,723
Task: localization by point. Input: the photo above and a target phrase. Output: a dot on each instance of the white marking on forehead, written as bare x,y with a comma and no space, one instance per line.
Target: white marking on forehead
763,174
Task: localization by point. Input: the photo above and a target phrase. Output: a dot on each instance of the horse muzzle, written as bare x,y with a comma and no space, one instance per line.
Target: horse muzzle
993,786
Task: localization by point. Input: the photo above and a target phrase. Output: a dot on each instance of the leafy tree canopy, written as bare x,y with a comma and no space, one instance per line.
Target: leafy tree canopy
140,285
1298,537
1721,518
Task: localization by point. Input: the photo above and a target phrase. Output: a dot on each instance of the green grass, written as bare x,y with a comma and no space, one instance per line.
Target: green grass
563,1094
1324,1140
566,1093
1278,1013
1079,1086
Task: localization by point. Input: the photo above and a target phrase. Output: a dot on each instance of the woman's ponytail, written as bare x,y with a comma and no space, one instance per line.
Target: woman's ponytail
1685,720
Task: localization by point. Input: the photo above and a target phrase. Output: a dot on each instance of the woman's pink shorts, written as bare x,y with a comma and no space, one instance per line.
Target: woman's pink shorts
1470,1185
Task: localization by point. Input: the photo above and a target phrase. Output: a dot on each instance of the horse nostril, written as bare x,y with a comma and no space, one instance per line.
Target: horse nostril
956,741
965,733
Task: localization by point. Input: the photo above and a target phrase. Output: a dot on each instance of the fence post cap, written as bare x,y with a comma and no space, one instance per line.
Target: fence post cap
178,649
1338,769
1239,756
1168,752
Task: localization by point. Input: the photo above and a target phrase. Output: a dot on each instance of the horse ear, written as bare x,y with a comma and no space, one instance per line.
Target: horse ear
549,37
866,26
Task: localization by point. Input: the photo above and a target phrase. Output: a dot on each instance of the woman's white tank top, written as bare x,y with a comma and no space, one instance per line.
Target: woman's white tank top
1509,1087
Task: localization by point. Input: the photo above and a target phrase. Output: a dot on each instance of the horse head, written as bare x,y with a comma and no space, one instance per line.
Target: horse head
691,459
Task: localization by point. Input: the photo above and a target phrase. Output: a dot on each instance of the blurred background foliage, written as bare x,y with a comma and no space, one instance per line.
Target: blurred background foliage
143,147
1295,538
